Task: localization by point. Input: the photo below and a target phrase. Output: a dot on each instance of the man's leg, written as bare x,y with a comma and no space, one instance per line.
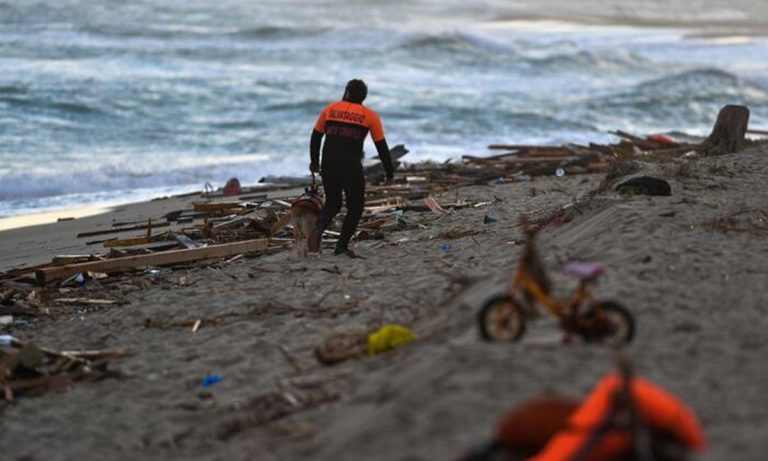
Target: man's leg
354,194
332,186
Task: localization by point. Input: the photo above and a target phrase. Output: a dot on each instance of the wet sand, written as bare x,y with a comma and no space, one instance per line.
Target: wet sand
691,267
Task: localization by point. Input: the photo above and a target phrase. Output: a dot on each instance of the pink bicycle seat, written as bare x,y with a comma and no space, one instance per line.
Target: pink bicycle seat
584,271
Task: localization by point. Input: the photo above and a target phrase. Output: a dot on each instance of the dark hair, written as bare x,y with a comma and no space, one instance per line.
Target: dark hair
356,91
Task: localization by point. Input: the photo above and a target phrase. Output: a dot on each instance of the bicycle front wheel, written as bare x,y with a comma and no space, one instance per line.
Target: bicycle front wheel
501,320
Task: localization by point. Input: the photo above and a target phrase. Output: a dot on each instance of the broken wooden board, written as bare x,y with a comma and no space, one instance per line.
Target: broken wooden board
50,274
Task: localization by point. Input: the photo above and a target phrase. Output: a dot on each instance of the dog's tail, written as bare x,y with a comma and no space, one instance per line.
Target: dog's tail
282,221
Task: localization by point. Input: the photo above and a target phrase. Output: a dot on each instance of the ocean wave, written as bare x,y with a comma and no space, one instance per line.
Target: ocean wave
19,100
182,31
479,121
692,86
684,101
455,42
281,32
309,105
587,60
18,185
521,53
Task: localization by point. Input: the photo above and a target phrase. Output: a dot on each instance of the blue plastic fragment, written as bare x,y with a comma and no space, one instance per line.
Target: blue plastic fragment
210,380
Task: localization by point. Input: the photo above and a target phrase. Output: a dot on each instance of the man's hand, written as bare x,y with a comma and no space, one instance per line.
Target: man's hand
314,168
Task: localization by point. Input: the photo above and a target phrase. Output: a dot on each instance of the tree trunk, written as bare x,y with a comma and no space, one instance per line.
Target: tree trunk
728,134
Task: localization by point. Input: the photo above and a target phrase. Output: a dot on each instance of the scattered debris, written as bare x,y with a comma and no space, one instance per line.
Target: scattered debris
645,185
232,187
27,370
748,221
389,337
340,346
210,380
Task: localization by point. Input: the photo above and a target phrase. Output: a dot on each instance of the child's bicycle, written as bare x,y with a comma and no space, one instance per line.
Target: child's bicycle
503,317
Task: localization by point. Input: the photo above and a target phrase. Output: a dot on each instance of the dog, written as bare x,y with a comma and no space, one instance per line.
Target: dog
303,215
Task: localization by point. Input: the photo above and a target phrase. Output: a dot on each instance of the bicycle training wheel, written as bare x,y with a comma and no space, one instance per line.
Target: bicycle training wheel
501,320
616,327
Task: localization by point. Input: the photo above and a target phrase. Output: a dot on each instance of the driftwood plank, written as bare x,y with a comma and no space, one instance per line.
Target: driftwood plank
49,274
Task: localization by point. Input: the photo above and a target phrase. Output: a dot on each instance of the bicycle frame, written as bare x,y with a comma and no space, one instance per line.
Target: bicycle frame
523,282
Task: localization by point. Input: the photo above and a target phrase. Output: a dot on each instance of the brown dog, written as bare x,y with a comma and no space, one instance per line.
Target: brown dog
302,217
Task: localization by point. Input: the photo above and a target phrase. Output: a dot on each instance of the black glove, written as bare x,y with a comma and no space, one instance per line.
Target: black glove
314,167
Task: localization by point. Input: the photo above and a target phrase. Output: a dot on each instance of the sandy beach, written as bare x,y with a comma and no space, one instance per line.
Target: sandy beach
691,267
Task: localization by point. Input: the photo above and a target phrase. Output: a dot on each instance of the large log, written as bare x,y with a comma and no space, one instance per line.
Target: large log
728,134
49,274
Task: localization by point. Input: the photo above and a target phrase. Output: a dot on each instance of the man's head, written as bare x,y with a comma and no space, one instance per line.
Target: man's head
356,91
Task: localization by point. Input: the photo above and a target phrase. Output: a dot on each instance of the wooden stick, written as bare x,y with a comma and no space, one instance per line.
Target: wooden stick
127,242
122,229
217,206
47,275
519,147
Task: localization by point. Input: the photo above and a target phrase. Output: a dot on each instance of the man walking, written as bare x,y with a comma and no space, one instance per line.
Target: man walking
345,124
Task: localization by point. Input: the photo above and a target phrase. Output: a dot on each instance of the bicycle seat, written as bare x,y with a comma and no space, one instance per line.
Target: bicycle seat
584,271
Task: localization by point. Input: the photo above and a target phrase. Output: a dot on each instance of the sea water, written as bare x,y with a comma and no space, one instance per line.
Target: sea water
116,101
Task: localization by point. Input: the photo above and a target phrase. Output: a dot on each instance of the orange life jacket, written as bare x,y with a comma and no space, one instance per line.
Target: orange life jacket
659,409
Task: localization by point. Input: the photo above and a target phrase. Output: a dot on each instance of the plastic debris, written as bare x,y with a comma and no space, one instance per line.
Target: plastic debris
560,172
232,187
446,247
488,219
500,180
158,273
389,337
7,340
210,380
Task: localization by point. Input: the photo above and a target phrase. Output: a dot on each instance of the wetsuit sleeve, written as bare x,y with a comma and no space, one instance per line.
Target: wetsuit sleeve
320,124
374,124
317,137
386,158
314,147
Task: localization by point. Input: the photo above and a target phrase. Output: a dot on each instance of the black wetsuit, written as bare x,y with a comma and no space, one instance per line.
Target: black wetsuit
345,125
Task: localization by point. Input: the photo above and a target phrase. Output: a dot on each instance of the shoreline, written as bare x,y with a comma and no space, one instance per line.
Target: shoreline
52,216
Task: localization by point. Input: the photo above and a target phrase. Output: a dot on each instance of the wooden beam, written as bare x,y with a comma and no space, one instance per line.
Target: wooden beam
49,274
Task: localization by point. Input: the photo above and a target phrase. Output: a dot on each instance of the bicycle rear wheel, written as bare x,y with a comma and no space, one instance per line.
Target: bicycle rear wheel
501,320
613,326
